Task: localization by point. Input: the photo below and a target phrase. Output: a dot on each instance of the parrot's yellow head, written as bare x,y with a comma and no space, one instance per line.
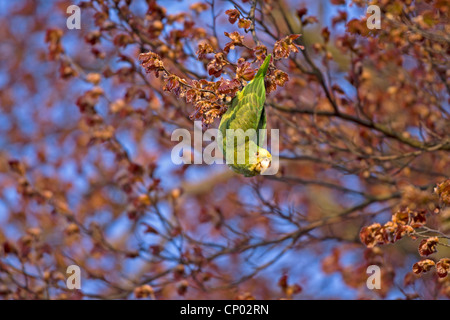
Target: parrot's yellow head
263,160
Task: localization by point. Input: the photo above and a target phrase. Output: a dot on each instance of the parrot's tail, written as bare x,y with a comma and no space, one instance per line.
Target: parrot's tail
263,69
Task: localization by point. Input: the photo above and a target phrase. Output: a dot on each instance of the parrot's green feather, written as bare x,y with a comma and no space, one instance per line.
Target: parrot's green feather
247,112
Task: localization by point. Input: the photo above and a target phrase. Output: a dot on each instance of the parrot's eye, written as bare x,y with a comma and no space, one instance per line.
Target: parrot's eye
257,153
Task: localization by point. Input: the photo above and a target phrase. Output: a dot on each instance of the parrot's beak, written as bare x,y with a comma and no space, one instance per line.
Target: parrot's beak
265,163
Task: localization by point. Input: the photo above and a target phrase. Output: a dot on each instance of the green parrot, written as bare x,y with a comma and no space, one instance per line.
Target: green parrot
247,112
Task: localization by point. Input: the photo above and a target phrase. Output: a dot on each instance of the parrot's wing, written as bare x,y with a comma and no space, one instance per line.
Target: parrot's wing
248,105
246,112
247,108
